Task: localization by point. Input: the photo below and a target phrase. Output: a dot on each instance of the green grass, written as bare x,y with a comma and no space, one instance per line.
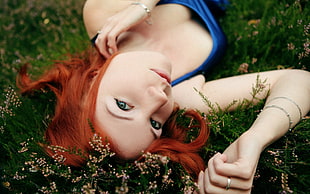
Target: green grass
262,35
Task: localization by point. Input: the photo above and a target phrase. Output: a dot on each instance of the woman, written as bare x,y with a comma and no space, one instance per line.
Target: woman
125,92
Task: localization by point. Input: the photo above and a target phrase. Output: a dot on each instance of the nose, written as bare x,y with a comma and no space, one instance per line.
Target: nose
159,103
157,99
157,94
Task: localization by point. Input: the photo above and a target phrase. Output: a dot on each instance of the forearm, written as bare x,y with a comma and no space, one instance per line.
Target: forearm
288,99
96,12
288,102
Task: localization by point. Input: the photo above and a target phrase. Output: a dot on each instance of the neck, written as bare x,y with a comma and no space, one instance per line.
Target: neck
133,40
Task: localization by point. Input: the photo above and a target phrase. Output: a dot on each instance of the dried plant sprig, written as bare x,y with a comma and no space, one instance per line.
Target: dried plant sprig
101,173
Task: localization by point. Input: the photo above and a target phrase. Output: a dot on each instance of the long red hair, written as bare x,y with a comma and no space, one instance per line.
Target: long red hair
75,83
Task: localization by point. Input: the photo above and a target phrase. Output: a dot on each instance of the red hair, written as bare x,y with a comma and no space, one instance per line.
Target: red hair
172,142
75,83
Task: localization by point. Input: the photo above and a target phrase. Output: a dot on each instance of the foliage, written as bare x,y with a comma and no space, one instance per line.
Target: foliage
151,174
262,35
265,35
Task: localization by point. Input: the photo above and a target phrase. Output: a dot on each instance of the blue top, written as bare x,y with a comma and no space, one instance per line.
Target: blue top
200,7
203,9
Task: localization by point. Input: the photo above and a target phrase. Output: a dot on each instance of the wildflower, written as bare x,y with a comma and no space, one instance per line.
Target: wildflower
59,158
299,22
254,22
243,68
6,184
255,33
254,60
164,159
88,189
122,189
284,180
11,101
290,46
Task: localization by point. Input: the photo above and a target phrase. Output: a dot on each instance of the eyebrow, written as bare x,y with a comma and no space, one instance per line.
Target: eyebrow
117,115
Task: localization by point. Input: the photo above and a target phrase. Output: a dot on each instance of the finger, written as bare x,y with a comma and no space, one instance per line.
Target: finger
115,34
242,168
112,39
101,45
210,188
101,41
201,183
215,178
233,182
221,179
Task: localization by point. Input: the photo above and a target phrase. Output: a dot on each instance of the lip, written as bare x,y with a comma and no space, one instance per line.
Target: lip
163,74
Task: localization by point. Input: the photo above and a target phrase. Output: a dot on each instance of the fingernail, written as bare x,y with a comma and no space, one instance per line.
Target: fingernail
110,51
217,154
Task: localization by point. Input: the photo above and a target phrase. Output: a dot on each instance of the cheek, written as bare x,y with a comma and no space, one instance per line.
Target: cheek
133,147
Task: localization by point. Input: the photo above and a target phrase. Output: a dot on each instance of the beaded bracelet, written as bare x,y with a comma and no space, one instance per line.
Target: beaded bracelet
292,101
283,110
146,9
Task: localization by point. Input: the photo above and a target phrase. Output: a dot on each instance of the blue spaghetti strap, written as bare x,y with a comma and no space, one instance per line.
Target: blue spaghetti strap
200,7
217,4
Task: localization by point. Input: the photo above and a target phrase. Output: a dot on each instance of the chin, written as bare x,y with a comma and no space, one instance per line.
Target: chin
128,155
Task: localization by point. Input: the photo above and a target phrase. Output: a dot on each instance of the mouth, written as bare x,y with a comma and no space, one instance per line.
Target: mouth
163,74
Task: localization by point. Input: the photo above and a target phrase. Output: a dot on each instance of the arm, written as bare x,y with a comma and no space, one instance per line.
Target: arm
112,18
240,159
292,86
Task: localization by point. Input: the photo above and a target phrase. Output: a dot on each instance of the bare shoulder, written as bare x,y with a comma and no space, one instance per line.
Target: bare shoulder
95,12
186,93
223,92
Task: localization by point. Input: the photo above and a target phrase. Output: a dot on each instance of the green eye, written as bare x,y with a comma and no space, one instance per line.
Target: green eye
156,125
123,105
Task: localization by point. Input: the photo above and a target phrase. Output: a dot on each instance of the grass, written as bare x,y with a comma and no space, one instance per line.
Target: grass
262,35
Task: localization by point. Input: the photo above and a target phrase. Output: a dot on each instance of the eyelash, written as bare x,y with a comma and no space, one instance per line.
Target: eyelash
120,104
155,124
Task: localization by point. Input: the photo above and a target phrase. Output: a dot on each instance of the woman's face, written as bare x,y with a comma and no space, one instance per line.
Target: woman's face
134,100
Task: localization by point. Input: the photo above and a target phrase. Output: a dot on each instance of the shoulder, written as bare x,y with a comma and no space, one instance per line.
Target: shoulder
186,93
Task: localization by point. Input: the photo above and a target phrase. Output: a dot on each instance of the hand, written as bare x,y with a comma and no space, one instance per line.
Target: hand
238,163
115,25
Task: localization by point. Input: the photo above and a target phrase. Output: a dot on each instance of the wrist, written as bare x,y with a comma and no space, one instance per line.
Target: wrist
270,126
147,6
247,147
149,3
259,141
